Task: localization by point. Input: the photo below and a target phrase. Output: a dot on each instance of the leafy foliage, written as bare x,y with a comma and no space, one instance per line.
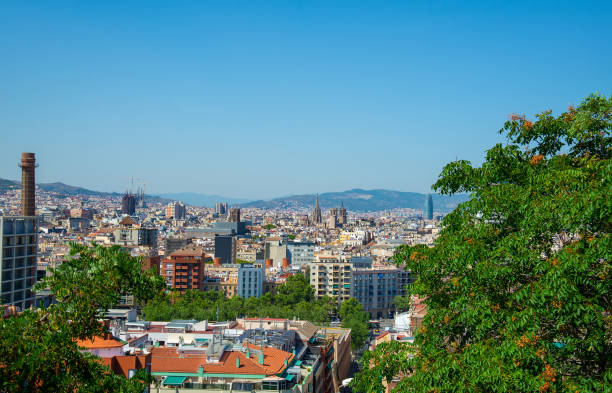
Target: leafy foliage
293,298
355,318
518,285
38,349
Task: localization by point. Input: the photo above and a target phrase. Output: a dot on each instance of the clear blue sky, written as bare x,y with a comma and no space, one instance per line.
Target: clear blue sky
262,99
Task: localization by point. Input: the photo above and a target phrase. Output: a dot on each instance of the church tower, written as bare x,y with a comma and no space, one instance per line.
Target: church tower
316,213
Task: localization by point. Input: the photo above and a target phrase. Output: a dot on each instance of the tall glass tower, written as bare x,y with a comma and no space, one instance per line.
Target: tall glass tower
428,212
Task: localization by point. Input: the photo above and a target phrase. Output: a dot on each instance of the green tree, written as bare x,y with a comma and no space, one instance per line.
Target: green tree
297,288
38,349
355,318
402,303
517,285
352,309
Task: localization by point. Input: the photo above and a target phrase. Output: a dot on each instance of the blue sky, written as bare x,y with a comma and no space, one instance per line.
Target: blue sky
262,99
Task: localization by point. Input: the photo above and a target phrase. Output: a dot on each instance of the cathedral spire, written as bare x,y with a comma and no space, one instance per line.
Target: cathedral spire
316,213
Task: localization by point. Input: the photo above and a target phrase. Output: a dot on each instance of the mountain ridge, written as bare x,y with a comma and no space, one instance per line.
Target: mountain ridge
356,199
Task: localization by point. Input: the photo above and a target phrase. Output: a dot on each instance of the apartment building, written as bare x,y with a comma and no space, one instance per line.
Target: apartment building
331,276
184,269
376,287
250,280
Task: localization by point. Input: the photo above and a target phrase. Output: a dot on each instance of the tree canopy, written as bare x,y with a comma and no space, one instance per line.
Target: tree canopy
294,298
517,286
355,318
38,348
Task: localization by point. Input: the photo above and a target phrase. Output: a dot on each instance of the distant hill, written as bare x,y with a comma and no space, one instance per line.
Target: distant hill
6,185
66,189
363,200
204,200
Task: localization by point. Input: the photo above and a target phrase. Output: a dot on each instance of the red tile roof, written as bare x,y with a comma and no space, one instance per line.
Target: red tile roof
166,359
99,342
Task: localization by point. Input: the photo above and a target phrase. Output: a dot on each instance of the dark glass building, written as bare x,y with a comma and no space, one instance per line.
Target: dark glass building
428,212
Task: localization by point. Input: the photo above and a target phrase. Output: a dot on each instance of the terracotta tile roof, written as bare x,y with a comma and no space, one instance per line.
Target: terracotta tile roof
99,342
166,359
121,365
382,335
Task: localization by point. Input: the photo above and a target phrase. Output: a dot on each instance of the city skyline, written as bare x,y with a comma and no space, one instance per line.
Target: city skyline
221,99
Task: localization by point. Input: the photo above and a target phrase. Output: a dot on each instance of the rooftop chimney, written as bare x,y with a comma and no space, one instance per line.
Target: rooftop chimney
28,190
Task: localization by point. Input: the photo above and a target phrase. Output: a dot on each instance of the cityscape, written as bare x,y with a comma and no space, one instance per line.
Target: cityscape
305,197
244,252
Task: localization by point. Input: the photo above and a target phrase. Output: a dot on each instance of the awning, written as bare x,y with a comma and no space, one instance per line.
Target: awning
174,380
290,377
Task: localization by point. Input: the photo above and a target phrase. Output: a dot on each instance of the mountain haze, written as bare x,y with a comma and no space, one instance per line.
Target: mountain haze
363,200
204,200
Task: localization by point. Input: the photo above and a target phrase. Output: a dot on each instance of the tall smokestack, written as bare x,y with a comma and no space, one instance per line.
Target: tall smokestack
28,190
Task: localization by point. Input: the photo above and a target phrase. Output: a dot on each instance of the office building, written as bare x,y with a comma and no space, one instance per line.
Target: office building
184,269
428,212
300,253
225,248
250,280
176,211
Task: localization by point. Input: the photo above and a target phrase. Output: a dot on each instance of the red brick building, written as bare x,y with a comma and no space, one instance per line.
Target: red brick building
184,268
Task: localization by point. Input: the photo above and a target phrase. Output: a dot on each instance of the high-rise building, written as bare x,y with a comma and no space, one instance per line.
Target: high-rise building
18,260
128,204
221,208
428,212
225,248
250,280
176,210
316,212
234,214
